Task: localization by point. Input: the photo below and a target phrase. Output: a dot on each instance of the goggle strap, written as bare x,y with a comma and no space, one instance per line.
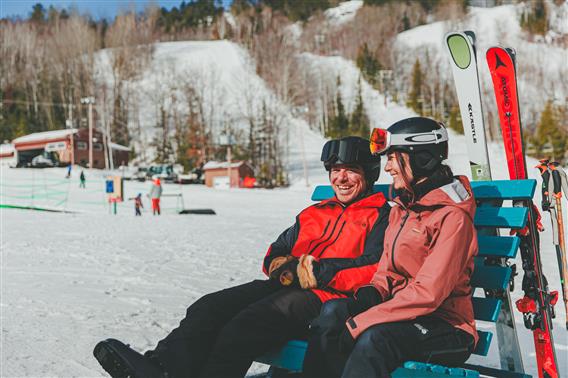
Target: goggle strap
438,136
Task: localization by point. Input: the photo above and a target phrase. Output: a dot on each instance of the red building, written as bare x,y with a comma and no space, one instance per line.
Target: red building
217,174
67,146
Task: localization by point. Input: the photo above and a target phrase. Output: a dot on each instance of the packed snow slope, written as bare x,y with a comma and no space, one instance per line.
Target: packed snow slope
540,64
69,280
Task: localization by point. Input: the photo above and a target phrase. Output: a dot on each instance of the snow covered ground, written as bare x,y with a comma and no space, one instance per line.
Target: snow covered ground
69,280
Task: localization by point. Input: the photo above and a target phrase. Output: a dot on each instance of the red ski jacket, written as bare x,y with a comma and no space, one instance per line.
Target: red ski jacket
346,242
428,261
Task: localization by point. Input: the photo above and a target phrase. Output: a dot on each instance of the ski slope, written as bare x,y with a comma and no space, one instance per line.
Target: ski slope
69,280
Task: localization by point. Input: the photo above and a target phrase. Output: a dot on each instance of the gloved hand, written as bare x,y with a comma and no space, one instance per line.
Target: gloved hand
306,272
277,263
286,274
365,298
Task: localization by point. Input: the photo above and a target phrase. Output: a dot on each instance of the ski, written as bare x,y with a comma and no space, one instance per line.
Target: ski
537,304
461,49
560,182
462,52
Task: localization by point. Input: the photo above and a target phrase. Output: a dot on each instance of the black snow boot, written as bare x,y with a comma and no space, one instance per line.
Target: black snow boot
121,361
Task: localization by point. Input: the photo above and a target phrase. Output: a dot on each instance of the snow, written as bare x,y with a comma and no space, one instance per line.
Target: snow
344,12
68,280
119,147
45,135
221,164
88,275
7,148
539,64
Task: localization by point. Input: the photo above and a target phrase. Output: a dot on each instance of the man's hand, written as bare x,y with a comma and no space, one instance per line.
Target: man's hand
285,274
306,272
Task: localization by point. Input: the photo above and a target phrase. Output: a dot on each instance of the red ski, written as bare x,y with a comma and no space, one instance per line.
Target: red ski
537,304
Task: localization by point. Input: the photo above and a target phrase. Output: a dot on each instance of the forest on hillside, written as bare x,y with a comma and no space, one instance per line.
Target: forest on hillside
47,67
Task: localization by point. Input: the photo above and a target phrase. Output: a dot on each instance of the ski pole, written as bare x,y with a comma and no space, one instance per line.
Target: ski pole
557,178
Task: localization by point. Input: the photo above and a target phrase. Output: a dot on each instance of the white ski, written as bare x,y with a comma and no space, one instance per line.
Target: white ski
463,59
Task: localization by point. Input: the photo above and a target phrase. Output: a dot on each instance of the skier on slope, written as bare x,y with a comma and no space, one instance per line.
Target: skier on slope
418,305
333,247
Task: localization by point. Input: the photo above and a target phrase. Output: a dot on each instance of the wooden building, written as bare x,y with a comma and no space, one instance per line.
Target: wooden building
217,174
67,146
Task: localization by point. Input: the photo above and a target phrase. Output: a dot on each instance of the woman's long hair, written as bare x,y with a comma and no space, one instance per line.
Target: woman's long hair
408,190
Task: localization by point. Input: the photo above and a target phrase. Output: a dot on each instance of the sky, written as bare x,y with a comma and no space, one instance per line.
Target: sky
97,8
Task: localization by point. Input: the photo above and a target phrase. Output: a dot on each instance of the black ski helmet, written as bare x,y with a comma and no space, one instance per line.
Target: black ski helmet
352,150
426,147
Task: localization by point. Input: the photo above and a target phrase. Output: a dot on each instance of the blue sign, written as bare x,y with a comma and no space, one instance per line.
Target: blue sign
109,186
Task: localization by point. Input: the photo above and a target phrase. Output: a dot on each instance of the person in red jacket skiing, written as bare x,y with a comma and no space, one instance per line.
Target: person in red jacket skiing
418,304
333,248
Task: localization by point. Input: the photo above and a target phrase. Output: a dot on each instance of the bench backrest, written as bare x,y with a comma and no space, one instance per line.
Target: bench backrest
490,215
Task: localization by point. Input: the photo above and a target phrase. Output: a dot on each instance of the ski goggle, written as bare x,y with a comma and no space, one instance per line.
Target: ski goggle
345,150
382,139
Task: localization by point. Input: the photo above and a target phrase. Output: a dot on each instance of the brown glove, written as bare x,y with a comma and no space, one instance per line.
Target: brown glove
278,262
285,274
306,272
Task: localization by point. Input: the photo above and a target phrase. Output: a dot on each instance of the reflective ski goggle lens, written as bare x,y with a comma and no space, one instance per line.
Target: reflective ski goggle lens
380,141
347,151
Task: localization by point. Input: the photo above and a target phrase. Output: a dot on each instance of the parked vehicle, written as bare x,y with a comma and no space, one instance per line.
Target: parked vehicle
164,172
43,161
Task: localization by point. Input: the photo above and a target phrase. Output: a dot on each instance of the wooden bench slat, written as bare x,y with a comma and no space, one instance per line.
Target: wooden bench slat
491,277
482,347
504,189
499,246
486,309
501,217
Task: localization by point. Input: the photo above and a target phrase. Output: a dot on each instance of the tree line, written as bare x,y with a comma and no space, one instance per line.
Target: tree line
48,64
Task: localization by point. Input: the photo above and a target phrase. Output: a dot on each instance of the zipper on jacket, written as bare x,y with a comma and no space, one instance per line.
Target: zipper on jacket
404,219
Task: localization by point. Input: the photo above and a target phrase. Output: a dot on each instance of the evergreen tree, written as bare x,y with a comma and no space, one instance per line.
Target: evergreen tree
548,131
455,122
338,123
368,64
297,10
534,19
415,94
359,124
38,13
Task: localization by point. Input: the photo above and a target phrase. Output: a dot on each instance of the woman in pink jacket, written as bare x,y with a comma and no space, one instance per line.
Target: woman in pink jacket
418,304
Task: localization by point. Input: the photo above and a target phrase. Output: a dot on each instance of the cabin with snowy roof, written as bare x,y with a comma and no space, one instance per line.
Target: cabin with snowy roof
68,146
224,175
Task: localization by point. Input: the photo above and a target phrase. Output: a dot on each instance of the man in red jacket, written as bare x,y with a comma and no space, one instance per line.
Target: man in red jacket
333,247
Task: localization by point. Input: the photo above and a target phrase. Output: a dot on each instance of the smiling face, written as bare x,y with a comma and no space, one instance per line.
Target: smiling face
348,182
399,171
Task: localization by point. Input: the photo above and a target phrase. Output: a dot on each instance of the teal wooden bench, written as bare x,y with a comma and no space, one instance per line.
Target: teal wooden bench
492,275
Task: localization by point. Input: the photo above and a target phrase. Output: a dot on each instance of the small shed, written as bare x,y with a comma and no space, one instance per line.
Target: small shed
217,174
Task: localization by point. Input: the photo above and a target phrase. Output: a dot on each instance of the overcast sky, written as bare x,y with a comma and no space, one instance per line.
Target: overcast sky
97,8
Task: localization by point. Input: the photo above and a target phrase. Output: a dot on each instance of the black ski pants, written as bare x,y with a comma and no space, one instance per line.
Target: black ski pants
381,348
223,332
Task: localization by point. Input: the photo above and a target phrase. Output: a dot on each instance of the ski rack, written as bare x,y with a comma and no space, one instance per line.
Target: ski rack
487,277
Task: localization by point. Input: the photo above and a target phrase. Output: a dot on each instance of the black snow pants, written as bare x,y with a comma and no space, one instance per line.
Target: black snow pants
381,348
223,332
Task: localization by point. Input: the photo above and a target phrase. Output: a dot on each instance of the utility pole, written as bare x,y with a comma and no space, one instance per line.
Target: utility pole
90,101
